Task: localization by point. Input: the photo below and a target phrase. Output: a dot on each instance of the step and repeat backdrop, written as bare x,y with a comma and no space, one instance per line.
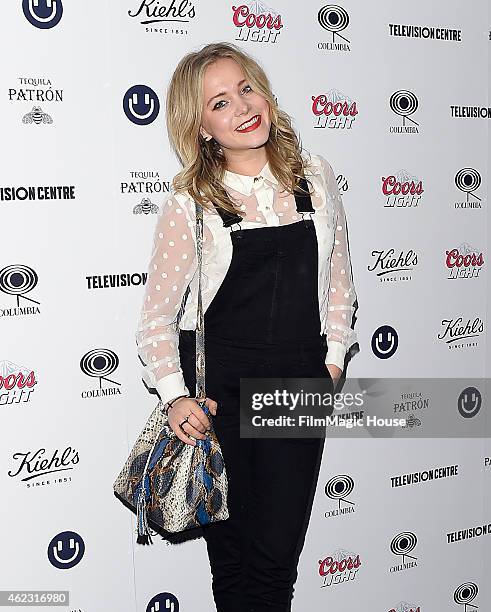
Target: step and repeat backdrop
396,96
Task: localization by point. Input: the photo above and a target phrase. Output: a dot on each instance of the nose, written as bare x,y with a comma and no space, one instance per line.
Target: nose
242,107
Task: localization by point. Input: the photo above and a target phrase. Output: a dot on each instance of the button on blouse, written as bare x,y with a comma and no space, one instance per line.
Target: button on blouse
173,266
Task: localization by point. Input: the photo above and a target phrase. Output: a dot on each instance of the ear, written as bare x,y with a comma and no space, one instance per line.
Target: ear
204,133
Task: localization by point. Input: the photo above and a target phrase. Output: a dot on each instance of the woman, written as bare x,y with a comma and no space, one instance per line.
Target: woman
276,280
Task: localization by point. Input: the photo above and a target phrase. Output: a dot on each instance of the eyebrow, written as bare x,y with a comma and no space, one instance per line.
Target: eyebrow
222,93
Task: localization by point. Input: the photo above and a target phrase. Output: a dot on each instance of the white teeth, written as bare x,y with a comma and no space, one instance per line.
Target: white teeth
246,125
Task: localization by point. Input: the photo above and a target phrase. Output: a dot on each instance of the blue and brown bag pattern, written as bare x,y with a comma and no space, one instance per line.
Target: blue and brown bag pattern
175,485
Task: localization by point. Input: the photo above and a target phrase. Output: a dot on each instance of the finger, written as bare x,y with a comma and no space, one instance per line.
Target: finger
189,429
211,404
203,422
182,436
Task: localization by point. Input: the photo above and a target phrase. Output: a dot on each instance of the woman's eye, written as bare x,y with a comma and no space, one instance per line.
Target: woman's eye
243,89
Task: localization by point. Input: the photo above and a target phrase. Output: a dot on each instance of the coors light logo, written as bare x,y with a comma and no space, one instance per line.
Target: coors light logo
334,110
256,22
403,606
341,566
16,383
464,261
401,190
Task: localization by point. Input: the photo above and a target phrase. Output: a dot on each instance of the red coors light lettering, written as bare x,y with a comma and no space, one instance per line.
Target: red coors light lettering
454,258
17,380
244,17
330,566
391,186
322,106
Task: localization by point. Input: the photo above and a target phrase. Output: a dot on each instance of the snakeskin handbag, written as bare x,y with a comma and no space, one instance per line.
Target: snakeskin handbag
173,485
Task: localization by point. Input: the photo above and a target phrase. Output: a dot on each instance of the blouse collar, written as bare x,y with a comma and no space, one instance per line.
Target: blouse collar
244,184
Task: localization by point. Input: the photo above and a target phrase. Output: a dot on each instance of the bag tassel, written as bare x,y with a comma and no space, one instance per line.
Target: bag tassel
143,528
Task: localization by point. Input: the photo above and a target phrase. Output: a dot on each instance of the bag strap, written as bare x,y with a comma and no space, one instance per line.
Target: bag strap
200,325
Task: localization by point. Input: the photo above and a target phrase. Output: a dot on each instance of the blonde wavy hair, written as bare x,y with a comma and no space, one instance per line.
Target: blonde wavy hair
203,161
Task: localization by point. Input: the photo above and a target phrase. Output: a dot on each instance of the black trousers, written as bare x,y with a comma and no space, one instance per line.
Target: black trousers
254,553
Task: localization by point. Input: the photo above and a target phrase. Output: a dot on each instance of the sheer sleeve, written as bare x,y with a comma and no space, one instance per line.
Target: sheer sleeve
342,294
173,263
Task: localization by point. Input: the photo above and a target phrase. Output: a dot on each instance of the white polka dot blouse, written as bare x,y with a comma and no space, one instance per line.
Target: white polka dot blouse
173,266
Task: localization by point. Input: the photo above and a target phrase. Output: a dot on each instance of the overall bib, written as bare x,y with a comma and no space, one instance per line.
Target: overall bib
263,322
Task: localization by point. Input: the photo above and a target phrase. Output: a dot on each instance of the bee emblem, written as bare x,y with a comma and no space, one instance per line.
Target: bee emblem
145,207
36,116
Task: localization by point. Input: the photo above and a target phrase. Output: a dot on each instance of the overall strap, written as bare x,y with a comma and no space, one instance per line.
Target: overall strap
303,201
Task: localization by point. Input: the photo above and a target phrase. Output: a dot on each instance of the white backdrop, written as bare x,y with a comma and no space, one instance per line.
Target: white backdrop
74,251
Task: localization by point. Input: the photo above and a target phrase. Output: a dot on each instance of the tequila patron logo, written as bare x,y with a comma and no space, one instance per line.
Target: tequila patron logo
141,104
401,190
38,93
161,18
335,20
145,189
413,401
334,110
16,383
338,488
402,544
392,266
468,181
341,566
256,22
16,281
404,104
464,595
100,364
145,207
457,333
464,261
43,14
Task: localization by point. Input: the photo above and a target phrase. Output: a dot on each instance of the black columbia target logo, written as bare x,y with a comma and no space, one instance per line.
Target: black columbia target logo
18,280
339,487
464,594
468,180
404,103
404,543
100,363
334,19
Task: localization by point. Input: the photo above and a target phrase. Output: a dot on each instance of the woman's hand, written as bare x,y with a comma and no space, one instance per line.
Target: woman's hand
335,373
196,425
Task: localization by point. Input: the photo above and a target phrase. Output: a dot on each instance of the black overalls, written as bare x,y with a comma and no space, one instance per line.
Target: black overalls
263,322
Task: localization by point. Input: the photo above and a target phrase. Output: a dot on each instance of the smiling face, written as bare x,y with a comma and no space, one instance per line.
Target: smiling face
233,114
